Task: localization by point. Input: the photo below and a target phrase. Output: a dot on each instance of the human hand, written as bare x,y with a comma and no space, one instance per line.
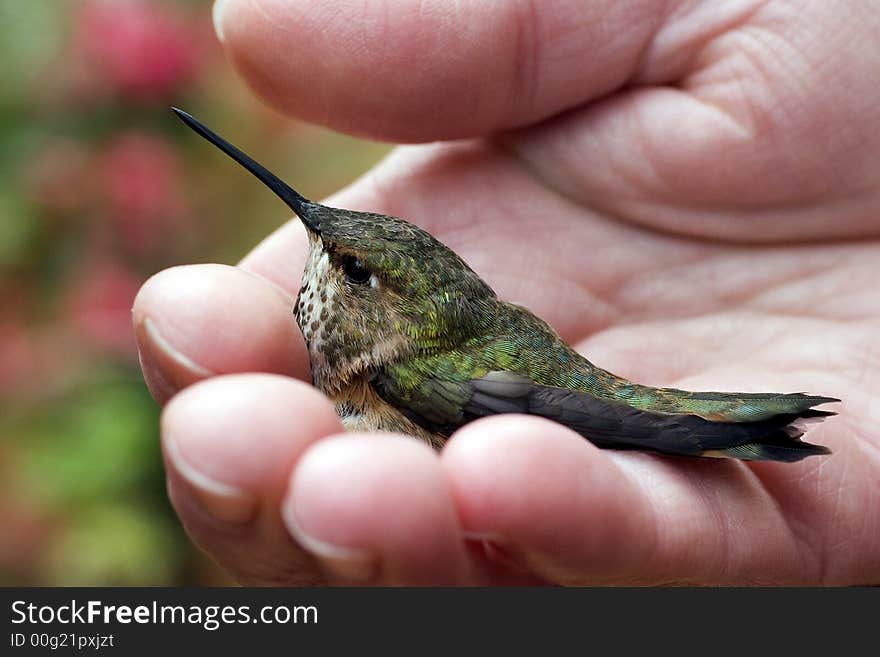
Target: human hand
690,198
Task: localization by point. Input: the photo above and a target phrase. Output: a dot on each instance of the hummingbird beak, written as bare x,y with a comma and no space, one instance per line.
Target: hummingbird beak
296,202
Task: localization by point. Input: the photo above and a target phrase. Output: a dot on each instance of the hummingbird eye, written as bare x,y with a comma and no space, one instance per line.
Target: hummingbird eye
354,271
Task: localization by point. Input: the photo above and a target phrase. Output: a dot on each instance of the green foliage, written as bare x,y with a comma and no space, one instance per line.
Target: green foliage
99,440
41,22
88,463
16,237
112,544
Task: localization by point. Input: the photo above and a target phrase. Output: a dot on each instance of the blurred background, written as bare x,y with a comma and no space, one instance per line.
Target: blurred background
100,188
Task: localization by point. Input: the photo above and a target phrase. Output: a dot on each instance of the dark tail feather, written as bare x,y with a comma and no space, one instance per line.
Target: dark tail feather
613,424
610,424
775,439
784,444
788,451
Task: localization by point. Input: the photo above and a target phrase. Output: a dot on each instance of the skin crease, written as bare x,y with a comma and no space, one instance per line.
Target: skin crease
689,196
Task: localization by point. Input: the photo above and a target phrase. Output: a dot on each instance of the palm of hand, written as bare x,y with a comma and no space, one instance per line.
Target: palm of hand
694,264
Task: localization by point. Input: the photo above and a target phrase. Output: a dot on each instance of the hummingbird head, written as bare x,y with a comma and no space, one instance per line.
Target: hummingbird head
375,289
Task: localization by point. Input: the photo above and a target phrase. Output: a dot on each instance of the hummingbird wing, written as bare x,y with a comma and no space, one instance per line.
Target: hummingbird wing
442,404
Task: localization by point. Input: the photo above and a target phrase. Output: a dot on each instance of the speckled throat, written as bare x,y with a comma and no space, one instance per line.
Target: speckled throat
334,371
340,350
315,304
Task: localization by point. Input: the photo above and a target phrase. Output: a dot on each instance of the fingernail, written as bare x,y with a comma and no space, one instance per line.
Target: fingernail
223,502
158,386
347,563
166,370
217,16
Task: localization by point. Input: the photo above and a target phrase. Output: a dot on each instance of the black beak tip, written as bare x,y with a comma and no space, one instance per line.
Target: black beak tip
183,116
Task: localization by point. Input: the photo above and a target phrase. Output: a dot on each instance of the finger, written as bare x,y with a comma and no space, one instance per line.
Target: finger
574,514
752,143
229,445
280,257
405,71
197,321
377,509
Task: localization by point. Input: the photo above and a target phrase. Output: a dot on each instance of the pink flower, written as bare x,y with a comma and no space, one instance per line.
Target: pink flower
138,186
144,51
99,307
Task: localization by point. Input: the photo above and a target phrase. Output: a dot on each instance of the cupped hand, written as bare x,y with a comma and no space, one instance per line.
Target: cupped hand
688,192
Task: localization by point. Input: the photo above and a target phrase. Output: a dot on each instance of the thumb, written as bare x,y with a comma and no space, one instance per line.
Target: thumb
755,134
421,71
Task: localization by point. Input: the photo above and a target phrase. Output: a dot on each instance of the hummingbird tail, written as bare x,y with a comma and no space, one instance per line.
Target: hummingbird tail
764,427
776,423
777,438
782,443
787,451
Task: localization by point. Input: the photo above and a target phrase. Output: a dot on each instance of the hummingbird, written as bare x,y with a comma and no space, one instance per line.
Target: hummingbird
404,336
